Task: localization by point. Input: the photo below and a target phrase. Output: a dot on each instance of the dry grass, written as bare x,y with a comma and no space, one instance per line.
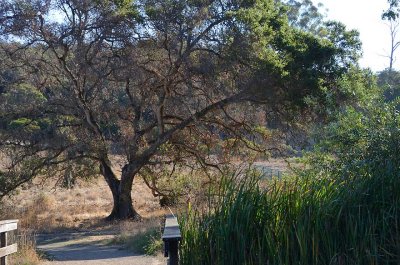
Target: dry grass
46,209
27,254
133,228
49,209
141,237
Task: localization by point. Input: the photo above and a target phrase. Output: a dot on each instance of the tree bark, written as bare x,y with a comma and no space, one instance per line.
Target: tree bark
121,192
122,208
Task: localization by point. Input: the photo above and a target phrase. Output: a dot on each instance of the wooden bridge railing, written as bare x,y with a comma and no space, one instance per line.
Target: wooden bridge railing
5,249
171,238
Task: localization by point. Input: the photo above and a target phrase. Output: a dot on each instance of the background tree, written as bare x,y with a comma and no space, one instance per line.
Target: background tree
388,79
157,84
305,15
394,42
296,130
391,15
389,82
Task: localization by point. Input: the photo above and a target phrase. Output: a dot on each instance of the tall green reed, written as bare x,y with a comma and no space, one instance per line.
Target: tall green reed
299,220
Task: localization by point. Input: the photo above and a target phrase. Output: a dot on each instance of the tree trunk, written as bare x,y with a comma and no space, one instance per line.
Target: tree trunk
121,192
122,208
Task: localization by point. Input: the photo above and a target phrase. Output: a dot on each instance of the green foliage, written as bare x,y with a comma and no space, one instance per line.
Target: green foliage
125,8
145,242
343,208
303,220
359,86
365,140
155,245
298,58
22,123
305,15
389,81
392,13
347,44
22,96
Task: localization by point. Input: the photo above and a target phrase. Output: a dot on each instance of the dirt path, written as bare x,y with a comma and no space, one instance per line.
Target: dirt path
83,249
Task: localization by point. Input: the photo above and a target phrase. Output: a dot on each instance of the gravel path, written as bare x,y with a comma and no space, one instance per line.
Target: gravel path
90,250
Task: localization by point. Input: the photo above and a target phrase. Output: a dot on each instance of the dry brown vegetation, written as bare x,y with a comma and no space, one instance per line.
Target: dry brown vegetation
47,208
27,254
50,209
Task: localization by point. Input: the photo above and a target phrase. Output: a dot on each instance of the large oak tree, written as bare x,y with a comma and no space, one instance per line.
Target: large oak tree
154,82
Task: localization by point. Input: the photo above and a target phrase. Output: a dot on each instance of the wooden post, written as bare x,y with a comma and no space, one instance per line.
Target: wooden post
6,249
173,252
3,244
171,238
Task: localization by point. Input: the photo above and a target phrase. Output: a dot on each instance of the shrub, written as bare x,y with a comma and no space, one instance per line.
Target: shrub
141,241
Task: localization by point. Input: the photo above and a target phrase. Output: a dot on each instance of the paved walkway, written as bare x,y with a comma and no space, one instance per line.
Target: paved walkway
83,249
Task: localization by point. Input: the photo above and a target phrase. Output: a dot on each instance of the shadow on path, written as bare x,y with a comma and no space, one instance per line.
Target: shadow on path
90,250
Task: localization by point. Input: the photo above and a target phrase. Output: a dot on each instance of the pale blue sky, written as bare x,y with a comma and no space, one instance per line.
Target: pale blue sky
365,16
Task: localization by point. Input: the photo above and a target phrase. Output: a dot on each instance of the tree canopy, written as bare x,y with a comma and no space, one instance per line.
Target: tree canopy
392,13
153,82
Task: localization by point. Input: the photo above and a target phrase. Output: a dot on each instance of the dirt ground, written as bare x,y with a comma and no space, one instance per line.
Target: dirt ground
86,249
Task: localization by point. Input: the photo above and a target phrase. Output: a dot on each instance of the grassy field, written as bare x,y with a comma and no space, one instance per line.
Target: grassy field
46,207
